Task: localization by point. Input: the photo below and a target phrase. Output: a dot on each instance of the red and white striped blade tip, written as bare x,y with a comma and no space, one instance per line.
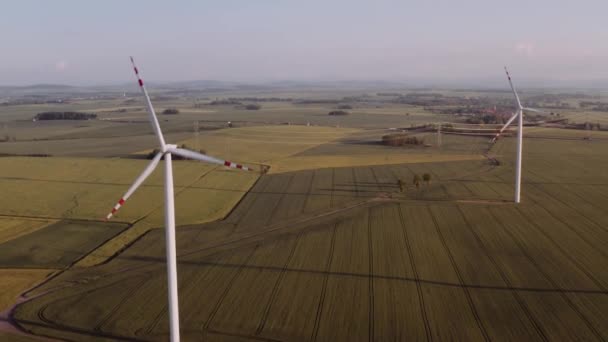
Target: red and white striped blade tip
236,166
115,209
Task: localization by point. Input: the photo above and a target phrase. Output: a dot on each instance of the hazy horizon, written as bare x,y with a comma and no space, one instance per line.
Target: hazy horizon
81,43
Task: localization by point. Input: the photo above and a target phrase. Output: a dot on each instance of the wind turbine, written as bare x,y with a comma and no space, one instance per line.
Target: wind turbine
167,150
520,124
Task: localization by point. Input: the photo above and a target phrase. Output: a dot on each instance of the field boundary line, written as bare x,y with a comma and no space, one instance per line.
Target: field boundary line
240,218
278,204
238,203
31,217
290,223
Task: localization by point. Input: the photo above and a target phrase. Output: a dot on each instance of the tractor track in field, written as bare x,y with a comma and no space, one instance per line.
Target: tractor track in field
275,287
371,273
569,206
574,230
427,325
288,225
309,193
581,198
357,194
50,324
273,230
568,256
333,187
539,330
241,336
319,314
460,277
240,217
220,300
278,204
563,295
116,307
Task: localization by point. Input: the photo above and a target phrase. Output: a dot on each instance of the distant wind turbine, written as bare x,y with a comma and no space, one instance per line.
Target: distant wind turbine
167,150
518,114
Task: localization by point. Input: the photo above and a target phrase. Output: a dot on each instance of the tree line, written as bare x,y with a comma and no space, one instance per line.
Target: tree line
65,116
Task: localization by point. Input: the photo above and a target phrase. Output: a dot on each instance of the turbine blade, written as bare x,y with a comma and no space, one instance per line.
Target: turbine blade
149,107
142,177
505,126
513,88
205,158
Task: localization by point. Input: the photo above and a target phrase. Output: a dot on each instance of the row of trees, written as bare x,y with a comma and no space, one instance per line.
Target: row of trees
170,111
65,116
400,139
338,112
253,106
416,181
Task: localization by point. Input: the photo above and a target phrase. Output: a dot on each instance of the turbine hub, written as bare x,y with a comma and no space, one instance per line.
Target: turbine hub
168,146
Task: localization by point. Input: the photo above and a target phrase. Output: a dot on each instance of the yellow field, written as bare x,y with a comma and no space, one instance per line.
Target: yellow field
12,228
314,162
565,133
91,170
263,144
85,188
208,199
15,281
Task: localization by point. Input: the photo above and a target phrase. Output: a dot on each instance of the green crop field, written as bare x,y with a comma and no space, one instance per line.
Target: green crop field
335,242
342,254
57,245
12,228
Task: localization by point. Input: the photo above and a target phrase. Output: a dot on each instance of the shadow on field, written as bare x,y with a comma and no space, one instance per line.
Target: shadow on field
365,276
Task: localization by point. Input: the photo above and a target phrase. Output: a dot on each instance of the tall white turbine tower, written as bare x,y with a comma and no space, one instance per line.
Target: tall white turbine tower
167,150
519,113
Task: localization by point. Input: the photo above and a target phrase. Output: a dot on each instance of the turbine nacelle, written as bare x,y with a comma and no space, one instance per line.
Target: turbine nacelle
165,148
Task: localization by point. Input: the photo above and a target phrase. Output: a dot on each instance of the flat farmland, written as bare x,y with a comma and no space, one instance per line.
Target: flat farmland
342,254
16,281
57,245
265,144
12,228
58,190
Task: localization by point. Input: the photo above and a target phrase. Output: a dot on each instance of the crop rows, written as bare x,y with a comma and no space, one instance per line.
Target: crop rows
398,269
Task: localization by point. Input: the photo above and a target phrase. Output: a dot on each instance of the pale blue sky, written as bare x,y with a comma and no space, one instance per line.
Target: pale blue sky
88,42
